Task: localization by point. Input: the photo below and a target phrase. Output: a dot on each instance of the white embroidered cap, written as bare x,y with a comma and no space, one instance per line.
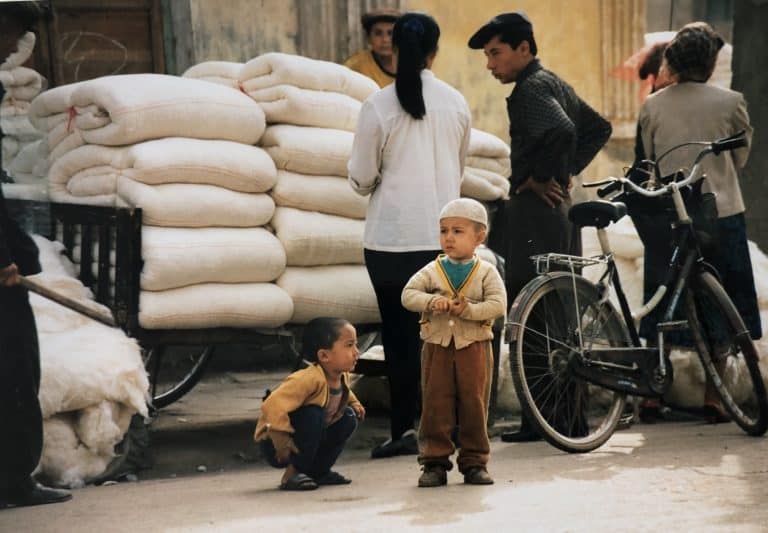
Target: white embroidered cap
466,208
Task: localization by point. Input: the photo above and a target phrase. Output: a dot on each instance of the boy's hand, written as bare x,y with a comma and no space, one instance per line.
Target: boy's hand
458,305
441,304
284,445
359,411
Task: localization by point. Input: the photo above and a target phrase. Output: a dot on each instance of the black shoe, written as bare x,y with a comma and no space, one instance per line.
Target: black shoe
33,493
405,445
524,435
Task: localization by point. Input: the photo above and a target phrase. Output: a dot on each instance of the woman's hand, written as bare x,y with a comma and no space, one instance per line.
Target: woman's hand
359,411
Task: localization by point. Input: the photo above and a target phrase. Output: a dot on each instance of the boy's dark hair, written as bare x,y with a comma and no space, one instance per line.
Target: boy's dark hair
378,15
415,36
320,333
514,38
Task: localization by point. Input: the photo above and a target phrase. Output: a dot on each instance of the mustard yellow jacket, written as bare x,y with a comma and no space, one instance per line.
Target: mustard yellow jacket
308,386
486,300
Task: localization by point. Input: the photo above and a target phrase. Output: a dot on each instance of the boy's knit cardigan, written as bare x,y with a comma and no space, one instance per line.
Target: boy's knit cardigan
486,300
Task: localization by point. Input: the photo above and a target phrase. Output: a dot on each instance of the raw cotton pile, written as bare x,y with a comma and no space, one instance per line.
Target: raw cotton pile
180,149
21,145
688,387
93,379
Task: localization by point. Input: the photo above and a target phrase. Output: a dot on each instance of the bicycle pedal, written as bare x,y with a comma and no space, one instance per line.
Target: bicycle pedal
673,325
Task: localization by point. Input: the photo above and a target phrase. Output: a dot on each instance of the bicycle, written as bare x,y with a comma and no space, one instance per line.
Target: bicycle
575,358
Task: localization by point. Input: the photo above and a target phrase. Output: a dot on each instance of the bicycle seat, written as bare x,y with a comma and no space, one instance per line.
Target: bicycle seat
597,213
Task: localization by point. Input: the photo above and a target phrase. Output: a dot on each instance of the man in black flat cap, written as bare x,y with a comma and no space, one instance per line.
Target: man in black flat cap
554,135
378,61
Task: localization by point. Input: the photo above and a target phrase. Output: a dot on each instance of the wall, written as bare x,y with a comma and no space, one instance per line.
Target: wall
750,56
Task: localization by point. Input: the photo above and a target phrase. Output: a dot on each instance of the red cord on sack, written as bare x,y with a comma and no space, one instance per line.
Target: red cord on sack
240,86
71,113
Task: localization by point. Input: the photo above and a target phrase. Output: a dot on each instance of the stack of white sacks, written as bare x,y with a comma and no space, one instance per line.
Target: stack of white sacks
182,150
688,386
22,148
311,109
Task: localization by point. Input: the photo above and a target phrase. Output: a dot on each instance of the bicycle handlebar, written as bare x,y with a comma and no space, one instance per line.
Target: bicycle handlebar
612,184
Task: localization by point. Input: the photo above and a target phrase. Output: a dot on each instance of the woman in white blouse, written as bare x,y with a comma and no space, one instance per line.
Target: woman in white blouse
408,154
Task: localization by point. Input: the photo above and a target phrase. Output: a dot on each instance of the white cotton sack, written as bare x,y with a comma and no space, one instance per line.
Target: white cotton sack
286,104
211,305
274,68
337,290
232,165
126,109
187,205
21,78
221,72
484,144
325,194
19,126
305,150
312,238
499,166
484,185
51,107
177,257
10,107
24,47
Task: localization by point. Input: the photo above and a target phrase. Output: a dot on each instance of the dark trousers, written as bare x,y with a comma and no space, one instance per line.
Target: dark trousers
389,272
319,446
526,226
20,417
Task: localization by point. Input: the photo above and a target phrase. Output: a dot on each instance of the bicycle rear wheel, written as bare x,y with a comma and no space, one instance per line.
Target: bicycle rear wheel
568,412
728,353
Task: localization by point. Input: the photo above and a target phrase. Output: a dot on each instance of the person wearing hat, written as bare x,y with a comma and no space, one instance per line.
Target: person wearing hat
554,136
459,296
692,110
377,62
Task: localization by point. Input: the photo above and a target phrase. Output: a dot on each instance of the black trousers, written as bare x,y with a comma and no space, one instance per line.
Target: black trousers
319,445
526,226
20,417
389,272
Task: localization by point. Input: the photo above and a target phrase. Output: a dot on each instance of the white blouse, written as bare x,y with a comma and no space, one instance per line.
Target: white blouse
411,168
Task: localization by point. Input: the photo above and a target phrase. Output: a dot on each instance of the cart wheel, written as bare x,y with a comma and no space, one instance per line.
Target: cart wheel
170,381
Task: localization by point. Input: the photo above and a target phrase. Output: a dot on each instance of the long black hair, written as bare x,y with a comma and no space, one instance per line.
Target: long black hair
415,36
320,333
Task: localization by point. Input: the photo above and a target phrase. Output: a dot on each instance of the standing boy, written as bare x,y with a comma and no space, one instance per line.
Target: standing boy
554,136
459,296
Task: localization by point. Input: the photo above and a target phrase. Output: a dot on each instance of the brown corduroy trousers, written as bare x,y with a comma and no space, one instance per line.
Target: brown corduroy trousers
456,389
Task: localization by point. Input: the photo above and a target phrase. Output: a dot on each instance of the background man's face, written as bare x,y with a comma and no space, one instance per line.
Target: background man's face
505,62
380,38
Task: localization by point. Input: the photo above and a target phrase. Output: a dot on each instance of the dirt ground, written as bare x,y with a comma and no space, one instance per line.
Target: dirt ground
208,476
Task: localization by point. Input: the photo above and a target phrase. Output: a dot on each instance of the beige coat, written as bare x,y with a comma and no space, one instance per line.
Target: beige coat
486,301
692,111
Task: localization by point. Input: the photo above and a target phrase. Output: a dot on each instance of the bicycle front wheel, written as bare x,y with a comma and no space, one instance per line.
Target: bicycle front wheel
728,353
555,316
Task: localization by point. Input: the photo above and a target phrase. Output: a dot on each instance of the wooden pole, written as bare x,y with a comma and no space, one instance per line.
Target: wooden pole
97,314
